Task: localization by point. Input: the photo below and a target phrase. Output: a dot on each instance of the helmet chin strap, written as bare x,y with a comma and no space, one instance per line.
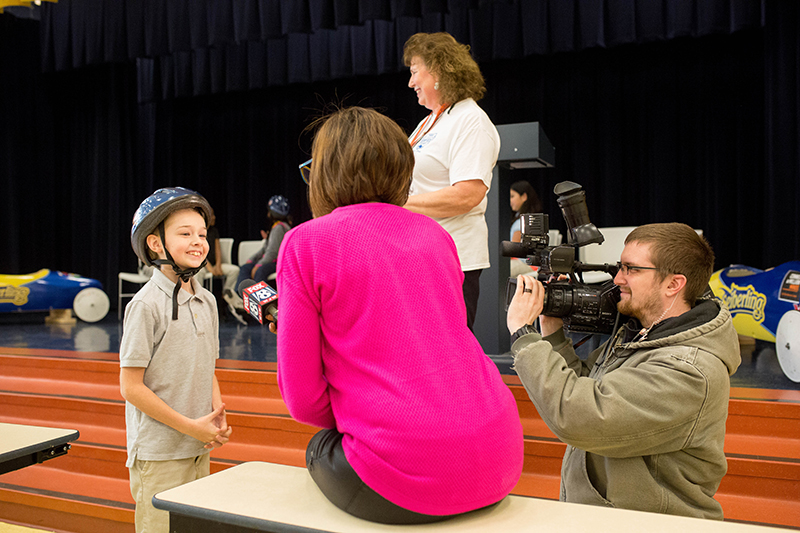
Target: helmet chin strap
185,274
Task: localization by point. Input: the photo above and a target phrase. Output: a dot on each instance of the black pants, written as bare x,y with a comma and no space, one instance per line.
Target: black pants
339,483
472,289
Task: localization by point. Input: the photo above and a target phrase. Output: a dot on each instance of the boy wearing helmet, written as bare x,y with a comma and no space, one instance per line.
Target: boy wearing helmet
263,263
174,413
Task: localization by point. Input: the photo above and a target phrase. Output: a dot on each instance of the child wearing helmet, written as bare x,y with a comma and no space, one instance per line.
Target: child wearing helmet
174,413
262,264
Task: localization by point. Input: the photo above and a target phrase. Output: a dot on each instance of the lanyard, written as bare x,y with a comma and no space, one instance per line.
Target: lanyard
423,130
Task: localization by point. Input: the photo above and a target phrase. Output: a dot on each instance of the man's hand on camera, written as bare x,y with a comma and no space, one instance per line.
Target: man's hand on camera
527,303
551,324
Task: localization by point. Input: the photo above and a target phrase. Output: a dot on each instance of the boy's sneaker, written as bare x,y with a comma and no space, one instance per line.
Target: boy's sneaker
234,300
235,305
238,316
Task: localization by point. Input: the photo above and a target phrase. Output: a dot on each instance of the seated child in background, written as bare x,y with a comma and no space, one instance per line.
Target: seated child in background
262,264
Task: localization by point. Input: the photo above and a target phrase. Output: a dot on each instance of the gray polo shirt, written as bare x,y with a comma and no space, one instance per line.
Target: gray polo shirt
179,357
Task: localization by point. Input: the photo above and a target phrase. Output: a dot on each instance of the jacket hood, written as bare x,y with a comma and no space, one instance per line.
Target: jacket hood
707,326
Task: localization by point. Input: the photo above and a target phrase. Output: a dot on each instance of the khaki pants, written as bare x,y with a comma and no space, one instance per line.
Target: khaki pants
148,478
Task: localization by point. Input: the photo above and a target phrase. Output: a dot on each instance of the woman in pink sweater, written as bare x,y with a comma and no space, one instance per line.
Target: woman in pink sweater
374,347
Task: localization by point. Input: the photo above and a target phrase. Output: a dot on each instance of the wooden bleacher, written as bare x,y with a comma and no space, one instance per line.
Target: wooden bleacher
87,490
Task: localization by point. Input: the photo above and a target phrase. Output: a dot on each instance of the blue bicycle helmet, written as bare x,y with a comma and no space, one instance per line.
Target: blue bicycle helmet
279,206
151,214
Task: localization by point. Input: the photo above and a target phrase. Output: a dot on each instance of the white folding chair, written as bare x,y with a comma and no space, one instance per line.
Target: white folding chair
225,248
140,277
247,249
608,252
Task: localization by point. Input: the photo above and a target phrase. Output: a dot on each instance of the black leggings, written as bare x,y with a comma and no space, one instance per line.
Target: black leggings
472,289
337,480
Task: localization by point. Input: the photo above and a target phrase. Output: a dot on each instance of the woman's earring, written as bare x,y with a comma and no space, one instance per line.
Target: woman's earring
436,86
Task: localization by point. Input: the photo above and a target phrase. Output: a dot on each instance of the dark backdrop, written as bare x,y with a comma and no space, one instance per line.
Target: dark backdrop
698,129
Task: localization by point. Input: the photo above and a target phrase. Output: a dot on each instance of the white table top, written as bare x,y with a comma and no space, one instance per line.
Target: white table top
273,497
17,440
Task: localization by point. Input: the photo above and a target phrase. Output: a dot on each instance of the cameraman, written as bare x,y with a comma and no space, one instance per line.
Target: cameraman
644,415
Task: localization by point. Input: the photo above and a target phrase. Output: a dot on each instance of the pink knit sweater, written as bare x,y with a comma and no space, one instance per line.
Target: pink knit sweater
373,341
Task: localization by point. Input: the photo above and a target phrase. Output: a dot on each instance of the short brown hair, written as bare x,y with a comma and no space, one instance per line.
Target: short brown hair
359,156
450,61
678,249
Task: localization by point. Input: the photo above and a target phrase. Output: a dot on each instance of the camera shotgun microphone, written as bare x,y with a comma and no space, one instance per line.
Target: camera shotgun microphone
513,249
259,299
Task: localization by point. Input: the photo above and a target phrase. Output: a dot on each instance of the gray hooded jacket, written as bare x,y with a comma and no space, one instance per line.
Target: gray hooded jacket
645,424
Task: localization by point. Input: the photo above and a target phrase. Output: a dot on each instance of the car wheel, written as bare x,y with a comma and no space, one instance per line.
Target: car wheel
787,344
91,304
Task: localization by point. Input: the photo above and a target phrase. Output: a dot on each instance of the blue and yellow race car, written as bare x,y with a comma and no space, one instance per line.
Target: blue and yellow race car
48,290
765,305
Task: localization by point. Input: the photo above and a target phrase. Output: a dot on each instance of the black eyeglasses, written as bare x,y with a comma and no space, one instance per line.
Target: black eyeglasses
305,170
625,268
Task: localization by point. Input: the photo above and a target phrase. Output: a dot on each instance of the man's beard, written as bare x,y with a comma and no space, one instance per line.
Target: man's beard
642,310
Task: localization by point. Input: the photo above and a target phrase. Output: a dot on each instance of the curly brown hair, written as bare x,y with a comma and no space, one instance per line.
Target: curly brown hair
359,156
450,62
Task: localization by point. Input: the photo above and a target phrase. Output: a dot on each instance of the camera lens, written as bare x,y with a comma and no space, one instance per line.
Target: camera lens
558,299
588,308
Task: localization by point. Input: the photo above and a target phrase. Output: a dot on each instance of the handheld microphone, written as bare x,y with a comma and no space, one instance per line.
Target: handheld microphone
259,299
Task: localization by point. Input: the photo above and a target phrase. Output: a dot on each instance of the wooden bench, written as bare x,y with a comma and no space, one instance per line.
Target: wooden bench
256,496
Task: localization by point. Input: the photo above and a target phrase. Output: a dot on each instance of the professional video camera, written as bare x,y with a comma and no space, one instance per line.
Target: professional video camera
583,307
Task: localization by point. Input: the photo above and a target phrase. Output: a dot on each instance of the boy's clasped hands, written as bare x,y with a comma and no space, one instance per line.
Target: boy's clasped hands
213,429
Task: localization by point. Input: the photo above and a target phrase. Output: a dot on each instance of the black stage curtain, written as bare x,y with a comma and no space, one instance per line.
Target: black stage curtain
69,149
199,47
702,130
778,227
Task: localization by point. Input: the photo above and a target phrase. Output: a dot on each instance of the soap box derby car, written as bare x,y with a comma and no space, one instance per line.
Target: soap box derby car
48,290
765,305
